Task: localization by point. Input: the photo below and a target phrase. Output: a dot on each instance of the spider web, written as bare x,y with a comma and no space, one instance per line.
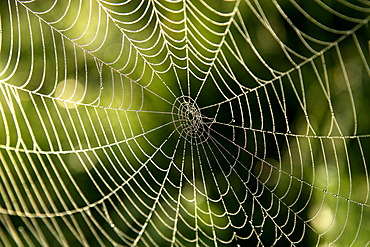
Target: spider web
180,123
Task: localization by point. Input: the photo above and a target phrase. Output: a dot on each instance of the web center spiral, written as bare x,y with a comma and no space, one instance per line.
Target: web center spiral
188,120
